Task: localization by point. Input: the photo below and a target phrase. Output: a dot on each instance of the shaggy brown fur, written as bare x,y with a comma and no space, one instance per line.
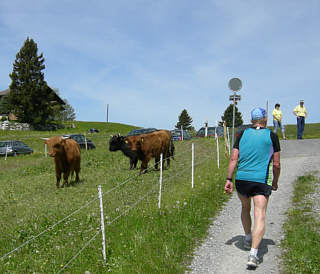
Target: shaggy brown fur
66,153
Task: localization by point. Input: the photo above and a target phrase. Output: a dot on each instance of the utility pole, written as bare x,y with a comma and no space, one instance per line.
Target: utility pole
107,114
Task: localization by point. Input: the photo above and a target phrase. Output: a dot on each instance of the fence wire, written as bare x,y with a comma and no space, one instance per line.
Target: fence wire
201,148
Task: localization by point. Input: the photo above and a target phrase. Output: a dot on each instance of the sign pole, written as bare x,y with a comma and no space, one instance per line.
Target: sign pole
233,115
235,85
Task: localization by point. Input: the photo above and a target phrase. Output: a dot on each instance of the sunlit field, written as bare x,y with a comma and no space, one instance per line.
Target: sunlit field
49,230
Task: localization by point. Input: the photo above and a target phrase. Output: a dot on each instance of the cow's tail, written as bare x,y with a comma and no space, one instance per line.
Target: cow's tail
171,149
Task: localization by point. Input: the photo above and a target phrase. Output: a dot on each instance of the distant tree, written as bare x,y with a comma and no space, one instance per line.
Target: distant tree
228,116
29,98
68,114
4,105
185,121
65,114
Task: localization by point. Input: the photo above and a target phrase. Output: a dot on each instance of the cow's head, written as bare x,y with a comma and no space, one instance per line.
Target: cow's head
55,144
115,142
134,142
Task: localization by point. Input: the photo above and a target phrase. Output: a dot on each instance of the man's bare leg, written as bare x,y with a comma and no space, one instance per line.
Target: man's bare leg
245,213
260,208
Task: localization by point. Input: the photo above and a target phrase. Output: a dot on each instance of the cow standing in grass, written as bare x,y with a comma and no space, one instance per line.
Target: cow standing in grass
117,142
151,145
66,153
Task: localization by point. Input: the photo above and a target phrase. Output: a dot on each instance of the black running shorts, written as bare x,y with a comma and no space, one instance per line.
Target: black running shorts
249,189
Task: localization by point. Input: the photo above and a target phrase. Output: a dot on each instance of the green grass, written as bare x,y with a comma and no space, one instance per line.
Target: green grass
302,238
144,240
311,131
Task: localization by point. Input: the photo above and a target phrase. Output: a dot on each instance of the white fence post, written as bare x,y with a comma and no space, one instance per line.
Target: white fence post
85,141
228,135
218,156
5,158
160,181
182,133
102,225
192,166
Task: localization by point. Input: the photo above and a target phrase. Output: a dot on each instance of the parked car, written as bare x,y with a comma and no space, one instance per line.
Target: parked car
176,135
13,147
211,132
141,131
93,130
241,128
80,139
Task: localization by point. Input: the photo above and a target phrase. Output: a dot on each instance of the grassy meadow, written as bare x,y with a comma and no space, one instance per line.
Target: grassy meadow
301,243
311,131
140,238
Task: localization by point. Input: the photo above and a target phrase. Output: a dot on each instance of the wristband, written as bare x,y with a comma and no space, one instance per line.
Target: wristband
229,179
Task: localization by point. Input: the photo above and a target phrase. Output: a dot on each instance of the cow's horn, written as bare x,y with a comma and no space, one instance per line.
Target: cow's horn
111,136
45,139
63,137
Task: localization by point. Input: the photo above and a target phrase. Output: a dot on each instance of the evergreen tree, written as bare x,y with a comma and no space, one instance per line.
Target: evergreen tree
29,98
228,116
184,120
4,105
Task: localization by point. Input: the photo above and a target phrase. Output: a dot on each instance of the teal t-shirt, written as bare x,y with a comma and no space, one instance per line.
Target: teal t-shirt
256,147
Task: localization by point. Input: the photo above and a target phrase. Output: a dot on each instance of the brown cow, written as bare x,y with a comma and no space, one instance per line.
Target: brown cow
66,153
151,145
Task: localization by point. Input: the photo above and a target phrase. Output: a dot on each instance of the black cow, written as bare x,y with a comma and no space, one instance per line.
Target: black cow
117,142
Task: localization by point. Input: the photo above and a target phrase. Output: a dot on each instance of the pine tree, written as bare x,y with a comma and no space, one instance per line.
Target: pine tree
4,105
29,98
184,120
228,116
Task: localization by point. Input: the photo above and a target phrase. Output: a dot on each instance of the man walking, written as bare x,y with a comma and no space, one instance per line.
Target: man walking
277,120
301,113
257,153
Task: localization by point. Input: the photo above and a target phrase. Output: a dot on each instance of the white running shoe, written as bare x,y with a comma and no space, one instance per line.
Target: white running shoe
252,261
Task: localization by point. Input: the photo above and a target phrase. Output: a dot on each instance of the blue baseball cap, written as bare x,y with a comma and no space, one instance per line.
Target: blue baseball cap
258,114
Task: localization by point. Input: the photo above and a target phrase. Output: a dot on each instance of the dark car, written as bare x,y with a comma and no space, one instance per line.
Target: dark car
241,128
176,135
139,131
93,130
211,132
81,140
14,148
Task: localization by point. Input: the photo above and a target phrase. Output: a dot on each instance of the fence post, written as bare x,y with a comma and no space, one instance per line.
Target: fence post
102,225
5,158
192,166
85,141
160,181
218,158
182,133
228,134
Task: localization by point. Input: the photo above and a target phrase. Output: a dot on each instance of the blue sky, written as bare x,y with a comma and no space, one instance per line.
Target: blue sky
151,59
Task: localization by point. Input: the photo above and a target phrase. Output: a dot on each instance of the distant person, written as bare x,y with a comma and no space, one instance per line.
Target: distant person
301,113
277,120
255,151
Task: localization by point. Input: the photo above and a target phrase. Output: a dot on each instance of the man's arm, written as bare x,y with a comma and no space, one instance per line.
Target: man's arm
276,170
232,165
295,111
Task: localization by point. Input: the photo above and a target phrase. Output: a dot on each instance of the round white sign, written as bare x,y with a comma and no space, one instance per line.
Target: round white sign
235,84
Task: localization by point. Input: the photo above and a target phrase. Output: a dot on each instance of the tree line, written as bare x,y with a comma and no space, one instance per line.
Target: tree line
31,100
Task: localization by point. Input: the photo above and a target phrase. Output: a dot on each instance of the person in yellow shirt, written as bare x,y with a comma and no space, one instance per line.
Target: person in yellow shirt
277,117
301,113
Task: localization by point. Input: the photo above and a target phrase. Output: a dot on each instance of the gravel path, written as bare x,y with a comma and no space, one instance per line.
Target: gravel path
222,251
